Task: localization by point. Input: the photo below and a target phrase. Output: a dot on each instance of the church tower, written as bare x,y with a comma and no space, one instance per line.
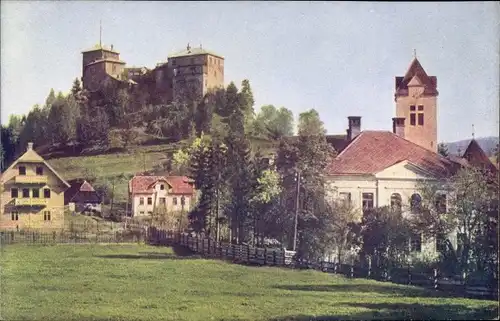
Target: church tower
416,100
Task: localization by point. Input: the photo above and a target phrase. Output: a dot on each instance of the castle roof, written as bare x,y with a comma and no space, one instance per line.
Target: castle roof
194,52
121,62
99,47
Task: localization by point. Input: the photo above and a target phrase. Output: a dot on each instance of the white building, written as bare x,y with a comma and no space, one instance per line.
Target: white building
148,193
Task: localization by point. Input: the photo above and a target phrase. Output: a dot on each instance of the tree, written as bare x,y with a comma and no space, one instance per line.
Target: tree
385,234
308,155
273,123
247,102
469,209
443,150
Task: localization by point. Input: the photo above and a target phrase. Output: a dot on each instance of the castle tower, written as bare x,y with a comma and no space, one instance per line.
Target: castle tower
100,63
416,100
196,70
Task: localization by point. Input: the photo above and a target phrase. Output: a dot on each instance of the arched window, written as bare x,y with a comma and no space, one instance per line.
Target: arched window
396,201
415,202
441,203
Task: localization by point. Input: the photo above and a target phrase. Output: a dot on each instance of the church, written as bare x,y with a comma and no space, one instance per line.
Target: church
376,168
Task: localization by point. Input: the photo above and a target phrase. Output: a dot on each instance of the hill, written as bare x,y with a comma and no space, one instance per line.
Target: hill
107,165
488,144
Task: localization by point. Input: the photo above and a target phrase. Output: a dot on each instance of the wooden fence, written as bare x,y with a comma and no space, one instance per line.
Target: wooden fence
247,254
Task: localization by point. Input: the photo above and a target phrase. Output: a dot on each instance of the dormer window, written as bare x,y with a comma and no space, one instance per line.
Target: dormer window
162,187
22,170
39,170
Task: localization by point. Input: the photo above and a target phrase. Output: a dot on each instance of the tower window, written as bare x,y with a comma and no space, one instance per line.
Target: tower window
420,107
36,193
413,119
39,170
26,192
22,170
14,193
420,119
412,108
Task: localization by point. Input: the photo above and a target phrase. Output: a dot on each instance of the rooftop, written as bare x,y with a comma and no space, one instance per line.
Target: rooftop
98,47
189,51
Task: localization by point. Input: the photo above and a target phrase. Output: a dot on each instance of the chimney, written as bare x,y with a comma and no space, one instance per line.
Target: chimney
354,127
111,47
30,146
398,126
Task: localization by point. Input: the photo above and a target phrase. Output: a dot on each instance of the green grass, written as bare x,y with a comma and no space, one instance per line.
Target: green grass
139,282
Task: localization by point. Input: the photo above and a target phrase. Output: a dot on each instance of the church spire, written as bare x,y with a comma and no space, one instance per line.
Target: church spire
415,53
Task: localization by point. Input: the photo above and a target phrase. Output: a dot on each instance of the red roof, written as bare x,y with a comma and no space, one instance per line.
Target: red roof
373,151
475,156
145,184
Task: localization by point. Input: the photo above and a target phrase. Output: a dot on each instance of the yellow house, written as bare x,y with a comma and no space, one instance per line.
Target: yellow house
31,194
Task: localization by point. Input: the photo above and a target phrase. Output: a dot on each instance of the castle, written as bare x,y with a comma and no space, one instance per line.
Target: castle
193,69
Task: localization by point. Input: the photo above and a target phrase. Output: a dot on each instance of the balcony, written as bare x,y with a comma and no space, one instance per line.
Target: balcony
31,201
31,179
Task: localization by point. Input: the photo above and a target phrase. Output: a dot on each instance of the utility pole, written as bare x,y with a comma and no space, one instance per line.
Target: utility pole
296,212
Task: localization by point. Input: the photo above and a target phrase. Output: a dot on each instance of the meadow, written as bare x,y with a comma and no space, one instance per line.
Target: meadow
141,282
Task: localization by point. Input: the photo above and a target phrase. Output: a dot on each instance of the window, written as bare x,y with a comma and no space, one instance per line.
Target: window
14,193
345,198
420,119
14,216
162,187
46,216
141,213
420,107
150,200
39,170
36,193
416,243
26,192
163,200
441,203
114,68
413,121
22,170
396,202
150,213
367,200
412,108
141,201
46,193
440,243
183,201
174,201
415,202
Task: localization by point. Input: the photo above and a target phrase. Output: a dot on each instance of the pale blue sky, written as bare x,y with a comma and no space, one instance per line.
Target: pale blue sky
337,57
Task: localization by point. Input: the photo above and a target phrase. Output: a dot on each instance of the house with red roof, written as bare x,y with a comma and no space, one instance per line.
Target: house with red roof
148,193
375,168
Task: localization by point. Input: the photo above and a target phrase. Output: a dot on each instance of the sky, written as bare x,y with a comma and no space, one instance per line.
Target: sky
339,58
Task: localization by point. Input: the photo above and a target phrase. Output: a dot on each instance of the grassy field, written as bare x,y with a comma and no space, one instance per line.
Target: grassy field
134,282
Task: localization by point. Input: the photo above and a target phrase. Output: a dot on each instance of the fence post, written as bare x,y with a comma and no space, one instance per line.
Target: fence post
234,251
369,266
209,246
352,271
265,255
435,279
197,243
335,267
274,257
248,253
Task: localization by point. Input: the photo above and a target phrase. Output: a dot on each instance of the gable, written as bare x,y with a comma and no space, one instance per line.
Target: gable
415,81
404,170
